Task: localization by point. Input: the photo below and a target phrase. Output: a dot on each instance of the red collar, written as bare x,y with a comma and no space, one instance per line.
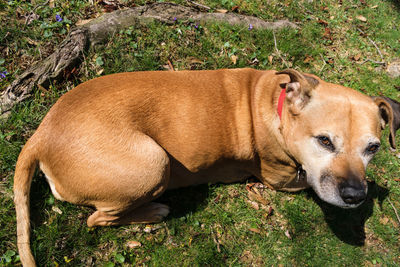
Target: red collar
280,102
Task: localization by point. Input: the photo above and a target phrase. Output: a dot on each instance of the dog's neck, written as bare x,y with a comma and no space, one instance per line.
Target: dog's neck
277,167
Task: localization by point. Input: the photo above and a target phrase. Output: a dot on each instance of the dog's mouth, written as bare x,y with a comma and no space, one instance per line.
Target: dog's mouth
328,190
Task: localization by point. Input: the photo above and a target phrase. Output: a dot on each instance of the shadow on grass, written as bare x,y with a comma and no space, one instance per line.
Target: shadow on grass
185,200
39,194
396,3
349,224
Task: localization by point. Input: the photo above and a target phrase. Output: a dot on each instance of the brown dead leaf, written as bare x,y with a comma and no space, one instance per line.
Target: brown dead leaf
361,18
257,197
221,11
133,244
324,8
373,7
234,59
51,3
328,34
270,58
308,59
249,186
42,89
171,67
32,42
82,22
109,5
323,22
193,60
356,57
269,212
109,8
384,220
254,205
255,230
397,179
235,9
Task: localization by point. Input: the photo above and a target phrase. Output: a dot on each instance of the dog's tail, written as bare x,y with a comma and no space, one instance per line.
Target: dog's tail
24,171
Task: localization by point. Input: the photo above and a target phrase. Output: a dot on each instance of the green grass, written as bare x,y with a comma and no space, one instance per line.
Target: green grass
210,224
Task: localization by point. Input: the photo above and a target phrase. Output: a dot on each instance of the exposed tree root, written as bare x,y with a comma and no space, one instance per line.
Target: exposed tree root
69,53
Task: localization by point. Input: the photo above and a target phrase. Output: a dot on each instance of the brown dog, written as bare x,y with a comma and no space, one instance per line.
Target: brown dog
119,141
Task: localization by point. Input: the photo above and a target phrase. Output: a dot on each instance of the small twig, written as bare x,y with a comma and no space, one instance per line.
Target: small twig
40,5
171,67
395,210
278,52
33,11
377,48
323,66
373,61
198,5
215,239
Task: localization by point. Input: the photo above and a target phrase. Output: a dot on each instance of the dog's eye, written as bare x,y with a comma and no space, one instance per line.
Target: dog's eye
326,142
372,149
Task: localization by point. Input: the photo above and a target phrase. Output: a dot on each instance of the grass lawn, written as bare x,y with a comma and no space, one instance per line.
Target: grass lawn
214,225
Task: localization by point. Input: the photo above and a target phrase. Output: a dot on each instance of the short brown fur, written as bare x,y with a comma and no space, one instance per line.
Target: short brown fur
118,142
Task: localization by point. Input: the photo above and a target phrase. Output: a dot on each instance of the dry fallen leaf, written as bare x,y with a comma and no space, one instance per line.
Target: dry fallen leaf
361,18
255,230
269,212
288,234
100,71
356,57
384,220
234,59
254,205
82,22
327,34
323,22
270,58
235,8
221,11
56,209
193,60
133,244
307,59
32,42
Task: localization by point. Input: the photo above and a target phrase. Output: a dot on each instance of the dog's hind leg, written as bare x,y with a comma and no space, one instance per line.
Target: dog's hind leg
120,180
147,177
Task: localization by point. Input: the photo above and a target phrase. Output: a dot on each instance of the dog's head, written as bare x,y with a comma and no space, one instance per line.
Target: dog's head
333,132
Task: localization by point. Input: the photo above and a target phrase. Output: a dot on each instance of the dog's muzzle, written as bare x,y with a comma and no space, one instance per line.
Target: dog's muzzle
352,192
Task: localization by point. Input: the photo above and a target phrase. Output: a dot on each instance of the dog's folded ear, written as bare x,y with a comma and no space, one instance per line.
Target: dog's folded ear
298,90
390,114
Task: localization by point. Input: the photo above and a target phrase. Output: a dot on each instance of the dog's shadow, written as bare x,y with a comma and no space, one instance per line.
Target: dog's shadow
184,201
349,224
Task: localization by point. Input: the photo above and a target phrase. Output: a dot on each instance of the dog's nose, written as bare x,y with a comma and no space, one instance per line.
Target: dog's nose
352,192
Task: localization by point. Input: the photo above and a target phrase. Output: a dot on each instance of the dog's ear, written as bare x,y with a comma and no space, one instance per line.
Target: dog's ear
390,113
298,90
